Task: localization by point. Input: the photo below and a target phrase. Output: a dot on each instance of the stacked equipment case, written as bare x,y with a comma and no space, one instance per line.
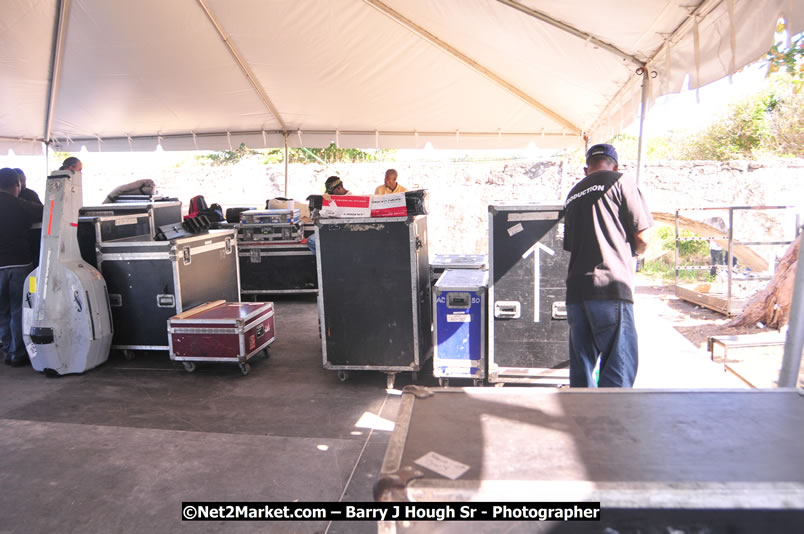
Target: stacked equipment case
119,220
459,321
374,295
151,281
160,212
274,257
279,226
528,330
95,229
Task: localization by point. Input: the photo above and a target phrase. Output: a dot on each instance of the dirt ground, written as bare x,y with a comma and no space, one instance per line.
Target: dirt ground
759,367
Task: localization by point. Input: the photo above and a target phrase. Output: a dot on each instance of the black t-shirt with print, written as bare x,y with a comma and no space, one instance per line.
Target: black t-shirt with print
603,213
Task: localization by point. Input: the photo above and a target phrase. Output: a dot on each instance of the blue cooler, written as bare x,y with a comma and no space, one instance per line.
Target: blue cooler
459,337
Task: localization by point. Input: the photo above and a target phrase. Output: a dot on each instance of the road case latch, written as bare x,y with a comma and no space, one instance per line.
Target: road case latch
228,242
507,309
165,301
560,310
185,254
115,300
254,255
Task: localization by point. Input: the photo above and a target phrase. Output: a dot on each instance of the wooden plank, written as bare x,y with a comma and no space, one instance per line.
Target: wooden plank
746,255
198,309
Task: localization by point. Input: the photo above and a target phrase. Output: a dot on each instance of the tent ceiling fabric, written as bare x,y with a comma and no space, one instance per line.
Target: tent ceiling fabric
362,73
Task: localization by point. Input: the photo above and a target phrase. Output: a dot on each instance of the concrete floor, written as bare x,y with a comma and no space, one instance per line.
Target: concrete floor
119,448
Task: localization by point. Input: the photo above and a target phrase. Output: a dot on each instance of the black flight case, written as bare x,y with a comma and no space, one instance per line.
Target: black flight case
276,268
150,281
95,229
374,294
528,330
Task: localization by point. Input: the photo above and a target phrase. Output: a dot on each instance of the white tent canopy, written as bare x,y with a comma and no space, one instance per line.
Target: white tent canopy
209,74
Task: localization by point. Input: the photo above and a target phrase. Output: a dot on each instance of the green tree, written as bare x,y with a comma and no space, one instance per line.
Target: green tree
770,122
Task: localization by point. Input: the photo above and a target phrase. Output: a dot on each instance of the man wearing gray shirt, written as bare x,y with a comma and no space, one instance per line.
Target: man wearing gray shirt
605,221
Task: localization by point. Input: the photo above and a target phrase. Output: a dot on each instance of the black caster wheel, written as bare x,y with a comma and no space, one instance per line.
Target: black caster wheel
343,376
443,382
128,354
244,368
189,366
390,378
478,382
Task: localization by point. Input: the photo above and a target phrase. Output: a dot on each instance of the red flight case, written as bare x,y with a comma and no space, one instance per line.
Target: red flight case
221,332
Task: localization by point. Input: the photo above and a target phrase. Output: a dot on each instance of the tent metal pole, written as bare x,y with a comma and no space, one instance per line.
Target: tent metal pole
55,65
286,165
702,10
791,363
572,31
243,65
643,107
457,54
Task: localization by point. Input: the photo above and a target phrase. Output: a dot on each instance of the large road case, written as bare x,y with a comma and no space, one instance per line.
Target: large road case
656,460
221,332
374,294
459,325
151,281
528,332
269,269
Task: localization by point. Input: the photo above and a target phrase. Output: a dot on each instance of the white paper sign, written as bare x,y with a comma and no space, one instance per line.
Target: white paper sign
515,229
459,318
442,465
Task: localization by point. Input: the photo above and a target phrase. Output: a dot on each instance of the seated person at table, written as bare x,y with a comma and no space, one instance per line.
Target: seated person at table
390,185
334,187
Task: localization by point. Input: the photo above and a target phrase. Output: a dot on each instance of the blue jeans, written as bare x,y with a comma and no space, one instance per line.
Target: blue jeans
11,281
602,329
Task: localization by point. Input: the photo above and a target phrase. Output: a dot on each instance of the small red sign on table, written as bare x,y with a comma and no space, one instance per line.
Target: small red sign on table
347,206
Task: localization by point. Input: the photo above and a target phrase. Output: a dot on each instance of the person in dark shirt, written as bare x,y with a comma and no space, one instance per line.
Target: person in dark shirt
25,193
333,186
16,217
605,221
35,233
